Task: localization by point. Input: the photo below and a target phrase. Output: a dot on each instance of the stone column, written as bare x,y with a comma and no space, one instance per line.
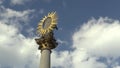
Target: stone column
45,58
46,44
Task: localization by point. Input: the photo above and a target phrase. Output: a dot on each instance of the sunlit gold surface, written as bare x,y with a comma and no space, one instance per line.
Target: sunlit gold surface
41,30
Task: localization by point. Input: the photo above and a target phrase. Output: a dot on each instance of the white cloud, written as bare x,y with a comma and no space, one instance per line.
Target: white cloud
15,49
62,42
99,38
18,2
30,31
14,17
61,59
7,13
82,59
117,67
1,1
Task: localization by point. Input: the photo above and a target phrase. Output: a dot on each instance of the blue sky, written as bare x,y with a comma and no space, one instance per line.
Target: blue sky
88,35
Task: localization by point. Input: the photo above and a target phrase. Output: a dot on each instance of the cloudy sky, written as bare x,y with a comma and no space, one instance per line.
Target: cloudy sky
88,35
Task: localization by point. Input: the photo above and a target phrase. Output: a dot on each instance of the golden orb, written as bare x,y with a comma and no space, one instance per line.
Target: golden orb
47,24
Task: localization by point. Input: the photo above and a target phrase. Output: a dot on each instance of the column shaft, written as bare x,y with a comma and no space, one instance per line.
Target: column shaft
45,59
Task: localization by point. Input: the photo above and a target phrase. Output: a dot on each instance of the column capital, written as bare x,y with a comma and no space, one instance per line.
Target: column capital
46,42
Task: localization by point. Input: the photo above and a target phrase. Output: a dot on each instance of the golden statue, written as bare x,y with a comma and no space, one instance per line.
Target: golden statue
45,30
